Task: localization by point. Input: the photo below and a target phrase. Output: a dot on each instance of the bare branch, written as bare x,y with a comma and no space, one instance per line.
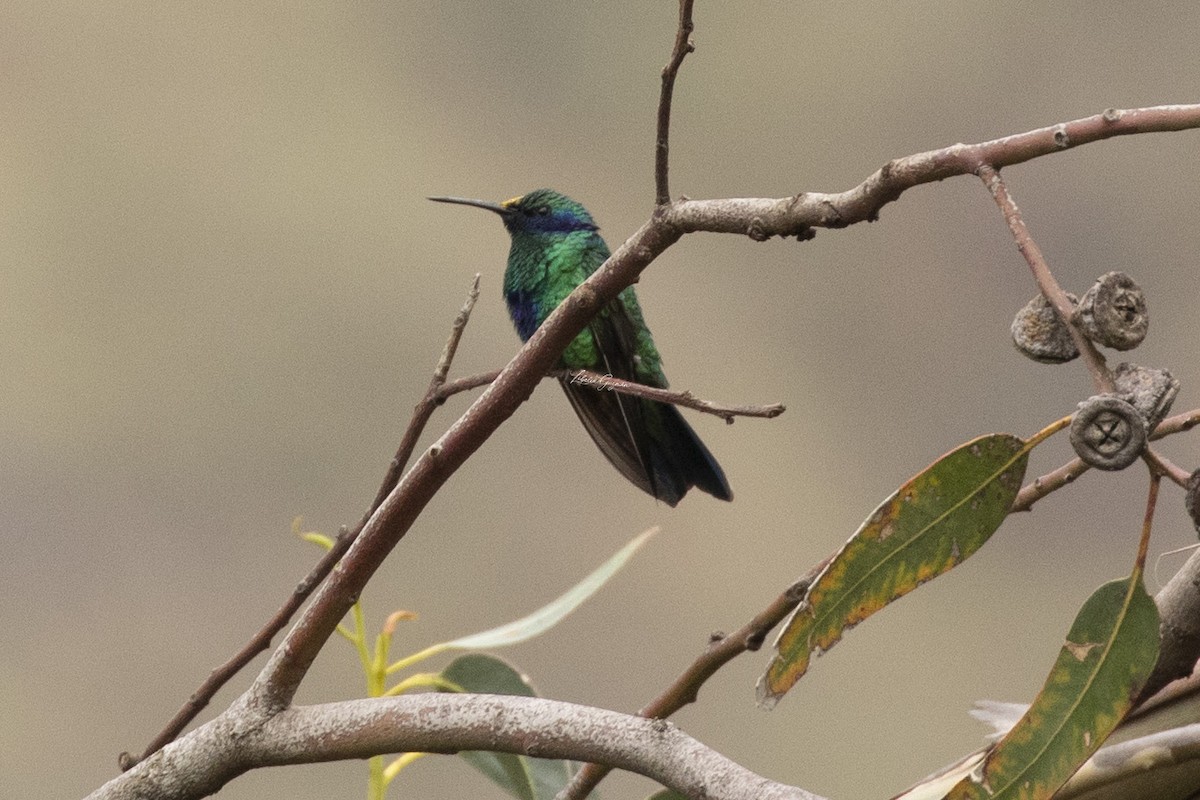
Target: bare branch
608,383
440,723
685,399
683,46
762,218
429,403
1045,278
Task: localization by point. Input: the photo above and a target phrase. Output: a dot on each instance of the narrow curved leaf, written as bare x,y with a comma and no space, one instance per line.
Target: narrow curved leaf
549,615
521,776
1107,657
539,621
932,523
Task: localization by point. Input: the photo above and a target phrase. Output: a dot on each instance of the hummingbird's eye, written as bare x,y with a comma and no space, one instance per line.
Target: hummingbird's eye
543,211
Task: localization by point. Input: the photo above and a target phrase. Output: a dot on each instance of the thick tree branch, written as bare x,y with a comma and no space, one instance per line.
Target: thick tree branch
1179,609
439,723
762,218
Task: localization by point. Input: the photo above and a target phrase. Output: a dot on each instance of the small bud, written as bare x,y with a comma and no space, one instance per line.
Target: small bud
1040,333
1108,433
1192,499
1150,391
1113,312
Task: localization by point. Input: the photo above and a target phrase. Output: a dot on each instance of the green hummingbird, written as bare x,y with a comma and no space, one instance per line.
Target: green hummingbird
555,247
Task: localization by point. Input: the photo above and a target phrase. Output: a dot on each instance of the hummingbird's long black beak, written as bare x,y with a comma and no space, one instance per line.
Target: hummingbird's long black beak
500,209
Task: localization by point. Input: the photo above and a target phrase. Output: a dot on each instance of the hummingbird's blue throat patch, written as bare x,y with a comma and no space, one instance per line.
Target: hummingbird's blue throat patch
524,313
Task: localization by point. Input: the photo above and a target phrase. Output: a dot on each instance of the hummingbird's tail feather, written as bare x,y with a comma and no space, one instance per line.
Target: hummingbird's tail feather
681,452
650,443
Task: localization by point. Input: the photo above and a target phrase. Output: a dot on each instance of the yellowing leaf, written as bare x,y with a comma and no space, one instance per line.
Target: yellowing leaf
1105,661
931,524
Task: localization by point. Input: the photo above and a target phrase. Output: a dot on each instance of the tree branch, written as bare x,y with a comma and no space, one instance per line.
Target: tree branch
761,218
1179,609
1052,481
1045,278
686,399
683,46
440,723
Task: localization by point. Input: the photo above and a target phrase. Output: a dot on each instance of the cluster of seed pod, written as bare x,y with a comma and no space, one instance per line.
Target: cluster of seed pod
1112,313
1109,431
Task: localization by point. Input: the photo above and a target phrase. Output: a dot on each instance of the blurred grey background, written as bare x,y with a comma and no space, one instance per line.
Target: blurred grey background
222,291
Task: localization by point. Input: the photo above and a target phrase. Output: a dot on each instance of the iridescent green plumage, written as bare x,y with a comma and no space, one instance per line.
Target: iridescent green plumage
555,247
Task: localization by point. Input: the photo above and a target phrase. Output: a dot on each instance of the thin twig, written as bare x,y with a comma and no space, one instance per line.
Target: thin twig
1045,484
1046,282
451,388
1148,520
257,644
686,399
262,639
428,404
1055,480
1165,467
722,648
603,383
683,46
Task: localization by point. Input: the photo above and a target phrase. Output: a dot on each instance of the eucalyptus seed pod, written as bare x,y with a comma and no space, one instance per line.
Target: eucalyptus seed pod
1107,432
1113,312
1150,391
1040,334
1192,499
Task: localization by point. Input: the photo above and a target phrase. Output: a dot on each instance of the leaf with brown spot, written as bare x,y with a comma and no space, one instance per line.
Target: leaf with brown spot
932,523
1104,663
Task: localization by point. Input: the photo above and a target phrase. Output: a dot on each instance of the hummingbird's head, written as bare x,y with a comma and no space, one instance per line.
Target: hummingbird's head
542,211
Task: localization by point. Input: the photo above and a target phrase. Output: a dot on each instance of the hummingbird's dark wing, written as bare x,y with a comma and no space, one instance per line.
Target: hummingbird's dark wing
615,421
648,442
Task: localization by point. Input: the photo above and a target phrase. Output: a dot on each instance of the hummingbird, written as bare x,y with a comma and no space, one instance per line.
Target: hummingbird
555,247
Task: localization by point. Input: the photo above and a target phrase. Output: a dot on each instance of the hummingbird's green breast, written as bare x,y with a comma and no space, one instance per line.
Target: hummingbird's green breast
545,267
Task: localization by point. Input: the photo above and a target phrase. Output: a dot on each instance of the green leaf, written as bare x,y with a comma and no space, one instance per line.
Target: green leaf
667,794
931,524
1108,655
551,614
521,776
